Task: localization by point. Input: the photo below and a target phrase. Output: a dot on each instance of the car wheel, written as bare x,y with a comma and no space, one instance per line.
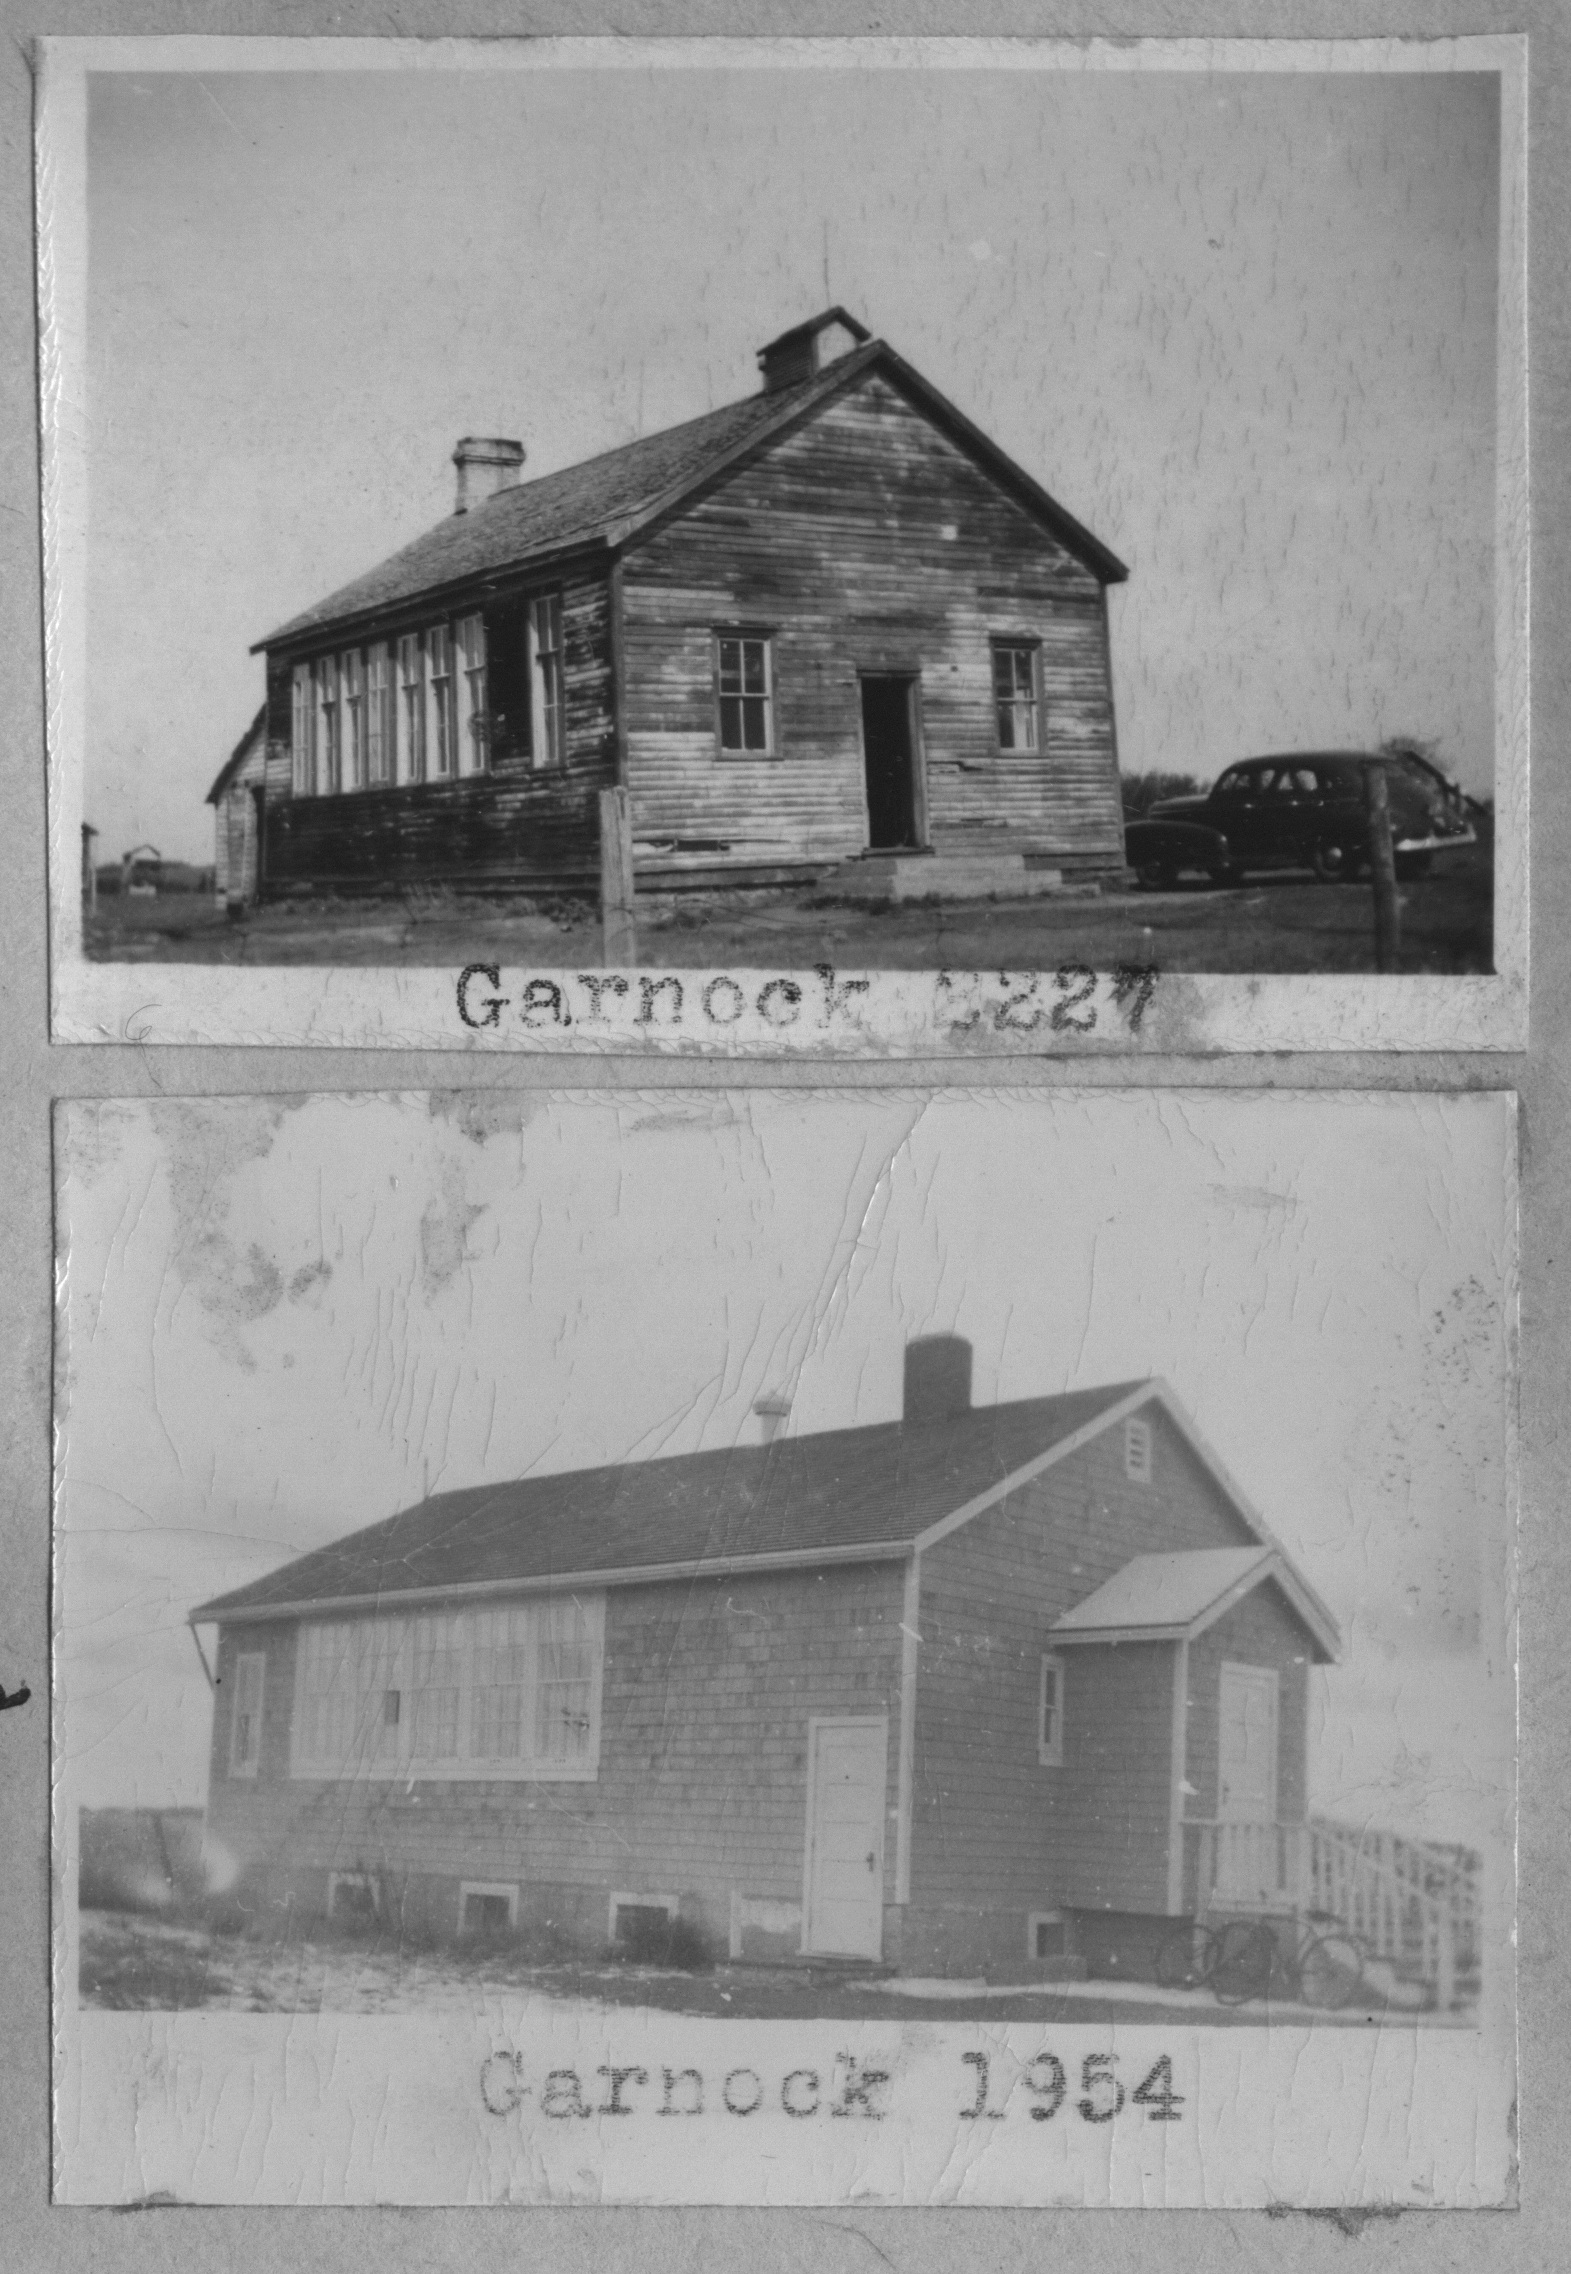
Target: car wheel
1333,862
1157,876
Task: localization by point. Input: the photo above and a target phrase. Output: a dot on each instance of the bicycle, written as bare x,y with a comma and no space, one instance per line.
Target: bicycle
1321,1969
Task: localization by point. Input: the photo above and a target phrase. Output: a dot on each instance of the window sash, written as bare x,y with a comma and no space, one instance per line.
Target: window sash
547,683
744,686
329,769
411,683
475,723
444,724
505,1691
351,679
245,1726
1015,697
381,716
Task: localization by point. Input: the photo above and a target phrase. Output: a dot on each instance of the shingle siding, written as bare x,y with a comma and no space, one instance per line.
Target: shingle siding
702,1785
992,1829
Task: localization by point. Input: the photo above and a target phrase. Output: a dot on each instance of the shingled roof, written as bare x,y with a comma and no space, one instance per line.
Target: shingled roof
609,499
839,1495
1174,1597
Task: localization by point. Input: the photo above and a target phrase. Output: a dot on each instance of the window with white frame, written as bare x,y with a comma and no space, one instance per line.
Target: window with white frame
245,1721
474,720
302,731
1050,1712
548,710
381,716
744,687
1015,695
1137,1451
509,1691
351,680
444,710
329,728
411,688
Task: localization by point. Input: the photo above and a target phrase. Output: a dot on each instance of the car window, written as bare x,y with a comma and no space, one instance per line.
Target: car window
1261,779
1306,781
1234,783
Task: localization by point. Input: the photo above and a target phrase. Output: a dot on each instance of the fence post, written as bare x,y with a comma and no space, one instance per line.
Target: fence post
616,878
1382,868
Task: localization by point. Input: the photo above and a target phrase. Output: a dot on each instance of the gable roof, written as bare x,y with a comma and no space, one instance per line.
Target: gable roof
1173,1598
612,499
237,757
841,1495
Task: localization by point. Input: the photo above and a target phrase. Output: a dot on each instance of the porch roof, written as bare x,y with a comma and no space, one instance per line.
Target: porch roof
1173,1598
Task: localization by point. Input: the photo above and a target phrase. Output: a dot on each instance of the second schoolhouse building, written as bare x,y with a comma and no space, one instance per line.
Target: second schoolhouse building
1003,1689
828,624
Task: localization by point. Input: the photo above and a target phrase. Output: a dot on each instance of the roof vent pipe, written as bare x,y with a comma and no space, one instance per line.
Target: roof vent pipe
937,1378
486,464
772,1411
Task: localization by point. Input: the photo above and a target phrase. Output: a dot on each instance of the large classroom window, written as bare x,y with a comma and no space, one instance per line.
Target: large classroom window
512,1691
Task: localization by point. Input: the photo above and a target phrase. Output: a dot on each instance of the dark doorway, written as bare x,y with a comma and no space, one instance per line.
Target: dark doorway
889,746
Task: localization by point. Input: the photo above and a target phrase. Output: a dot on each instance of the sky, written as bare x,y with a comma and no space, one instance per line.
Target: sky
287,1318
1241,325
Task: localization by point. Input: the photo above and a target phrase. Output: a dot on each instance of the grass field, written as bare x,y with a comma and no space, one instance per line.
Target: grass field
1282,923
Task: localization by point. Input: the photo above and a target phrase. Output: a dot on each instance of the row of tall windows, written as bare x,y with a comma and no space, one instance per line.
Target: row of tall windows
509,1691
417,708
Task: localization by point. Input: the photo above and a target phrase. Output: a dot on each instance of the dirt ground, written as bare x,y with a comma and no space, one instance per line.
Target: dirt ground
1280,923
133,1962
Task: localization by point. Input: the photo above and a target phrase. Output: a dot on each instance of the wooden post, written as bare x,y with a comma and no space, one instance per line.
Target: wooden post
89,866
1382,867
616,878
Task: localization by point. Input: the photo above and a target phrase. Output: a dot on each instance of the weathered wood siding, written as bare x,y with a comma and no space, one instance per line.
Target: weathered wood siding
702,1786
994,1832
236,842
867,541
511,826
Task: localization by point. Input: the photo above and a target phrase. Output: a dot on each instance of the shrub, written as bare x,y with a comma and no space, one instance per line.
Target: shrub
1141,791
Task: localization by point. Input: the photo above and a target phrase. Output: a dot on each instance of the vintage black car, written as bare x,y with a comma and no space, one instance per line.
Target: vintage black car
1301,810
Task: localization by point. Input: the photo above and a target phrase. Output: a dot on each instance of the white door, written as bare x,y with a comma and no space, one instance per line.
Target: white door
1249,1865
844,1901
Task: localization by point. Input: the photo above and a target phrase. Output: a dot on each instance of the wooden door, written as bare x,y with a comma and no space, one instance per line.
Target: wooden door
890,759
1250,1858
843,1907
1246,1746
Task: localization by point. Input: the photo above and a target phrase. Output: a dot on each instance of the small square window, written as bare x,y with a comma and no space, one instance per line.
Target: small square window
487,1907
352,1896
1137,1451
1050,1713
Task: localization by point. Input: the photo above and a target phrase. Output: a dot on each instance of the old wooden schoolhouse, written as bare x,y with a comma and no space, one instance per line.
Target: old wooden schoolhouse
998,1689
832,623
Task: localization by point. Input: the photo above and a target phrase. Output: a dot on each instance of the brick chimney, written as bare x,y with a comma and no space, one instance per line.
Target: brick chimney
486,463
937,1378
806,350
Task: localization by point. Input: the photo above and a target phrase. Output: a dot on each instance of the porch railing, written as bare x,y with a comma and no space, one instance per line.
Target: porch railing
1414,1904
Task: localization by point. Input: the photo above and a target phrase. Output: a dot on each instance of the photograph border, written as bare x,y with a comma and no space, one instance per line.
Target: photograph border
798,1014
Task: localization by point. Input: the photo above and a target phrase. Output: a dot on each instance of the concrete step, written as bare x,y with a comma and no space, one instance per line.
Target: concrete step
941,876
